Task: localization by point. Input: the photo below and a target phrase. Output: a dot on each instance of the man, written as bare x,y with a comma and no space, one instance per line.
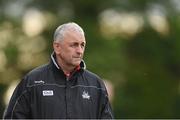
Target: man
63,88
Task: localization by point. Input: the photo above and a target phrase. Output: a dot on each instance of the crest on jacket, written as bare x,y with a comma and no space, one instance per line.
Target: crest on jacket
85,95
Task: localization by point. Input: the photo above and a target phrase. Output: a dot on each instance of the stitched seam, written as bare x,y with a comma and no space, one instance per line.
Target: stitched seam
110,112
88,86
45,84
17,102
65,86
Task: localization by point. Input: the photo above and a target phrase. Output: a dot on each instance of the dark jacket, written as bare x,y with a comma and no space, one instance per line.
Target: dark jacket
45,92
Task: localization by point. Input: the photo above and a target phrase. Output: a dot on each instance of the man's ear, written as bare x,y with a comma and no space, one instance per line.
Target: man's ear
56,47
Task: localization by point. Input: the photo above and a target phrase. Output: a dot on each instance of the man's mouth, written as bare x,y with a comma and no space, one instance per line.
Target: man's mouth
77,58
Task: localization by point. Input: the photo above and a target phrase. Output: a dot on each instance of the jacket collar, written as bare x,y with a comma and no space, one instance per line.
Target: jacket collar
53,58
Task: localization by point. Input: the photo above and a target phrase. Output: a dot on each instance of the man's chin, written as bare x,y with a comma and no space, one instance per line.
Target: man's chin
77,63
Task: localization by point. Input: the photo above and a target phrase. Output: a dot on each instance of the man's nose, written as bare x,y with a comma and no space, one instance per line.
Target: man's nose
79,49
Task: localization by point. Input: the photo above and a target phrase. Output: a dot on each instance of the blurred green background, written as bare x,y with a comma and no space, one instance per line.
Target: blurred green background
134,45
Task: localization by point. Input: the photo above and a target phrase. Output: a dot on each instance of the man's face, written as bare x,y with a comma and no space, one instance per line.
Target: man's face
71,49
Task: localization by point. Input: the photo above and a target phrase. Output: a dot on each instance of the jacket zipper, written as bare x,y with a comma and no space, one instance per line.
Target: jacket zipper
66,95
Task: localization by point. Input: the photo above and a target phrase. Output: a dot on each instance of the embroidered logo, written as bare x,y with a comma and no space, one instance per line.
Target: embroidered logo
38,82
48,93
85,95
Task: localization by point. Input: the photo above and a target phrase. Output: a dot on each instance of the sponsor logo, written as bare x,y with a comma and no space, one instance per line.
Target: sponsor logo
38,82
47,92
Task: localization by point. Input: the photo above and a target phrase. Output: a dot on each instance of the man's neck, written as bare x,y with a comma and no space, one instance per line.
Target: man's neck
65,68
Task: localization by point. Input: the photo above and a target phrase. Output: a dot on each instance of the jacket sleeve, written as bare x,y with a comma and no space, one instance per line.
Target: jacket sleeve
106,112
19,103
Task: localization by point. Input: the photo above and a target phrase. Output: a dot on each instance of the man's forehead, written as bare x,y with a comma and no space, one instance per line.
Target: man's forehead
74,37
75,41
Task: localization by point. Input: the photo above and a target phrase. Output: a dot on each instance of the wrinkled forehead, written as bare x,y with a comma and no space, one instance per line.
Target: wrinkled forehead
74,36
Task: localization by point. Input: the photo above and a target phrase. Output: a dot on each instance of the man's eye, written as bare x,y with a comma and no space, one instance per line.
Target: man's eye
83,45
76,45
73,45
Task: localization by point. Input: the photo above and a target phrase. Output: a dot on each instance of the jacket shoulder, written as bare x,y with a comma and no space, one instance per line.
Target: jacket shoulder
38,70
38,75
94,80
91,75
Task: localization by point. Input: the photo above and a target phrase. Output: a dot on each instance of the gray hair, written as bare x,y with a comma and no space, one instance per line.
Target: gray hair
60,31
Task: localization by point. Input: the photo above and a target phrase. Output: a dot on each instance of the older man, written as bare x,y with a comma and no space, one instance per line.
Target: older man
63,88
